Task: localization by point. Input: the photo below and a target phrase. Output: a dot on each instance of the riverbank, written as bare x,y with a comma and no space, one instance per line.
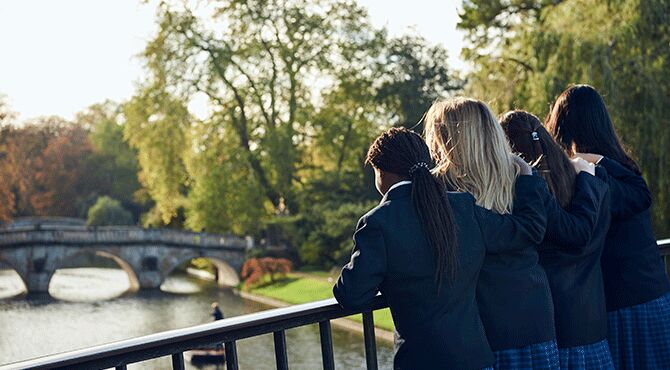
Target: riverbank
300,288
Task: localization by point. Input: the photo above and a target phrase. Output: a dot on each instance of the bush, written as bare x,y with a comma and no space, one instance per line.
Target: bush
108,212
329,242
255,270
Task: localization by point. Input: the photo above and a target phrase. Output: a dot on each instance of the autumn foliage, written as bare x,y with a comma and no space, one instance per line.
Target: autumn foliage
43,168
255,270
53,167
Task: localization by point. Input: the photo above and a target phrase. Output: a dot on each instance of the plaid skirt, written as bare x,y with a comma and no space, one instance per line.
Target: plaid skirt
538,356
639,336
594,356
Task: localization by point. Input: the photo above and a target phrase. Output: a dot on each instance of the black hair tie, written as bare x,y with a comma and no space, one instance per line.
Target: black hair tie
418,165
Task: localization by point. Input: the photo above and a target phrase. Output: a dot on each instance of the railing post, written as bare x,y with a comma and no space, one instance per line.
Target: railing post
178,361
231,356
280,350
326,345
369,338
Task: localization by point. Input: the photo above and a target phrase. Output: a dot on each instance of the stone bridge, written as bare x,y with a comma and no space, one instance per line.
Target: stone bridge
148,256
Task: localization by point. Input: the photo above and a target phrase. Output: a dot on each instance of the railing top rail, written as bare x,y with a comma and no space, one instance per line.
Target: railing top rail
172,341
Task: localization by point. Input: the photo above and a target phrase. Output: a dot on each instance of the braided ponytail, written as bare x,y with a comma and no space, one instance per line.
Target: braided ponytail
404,153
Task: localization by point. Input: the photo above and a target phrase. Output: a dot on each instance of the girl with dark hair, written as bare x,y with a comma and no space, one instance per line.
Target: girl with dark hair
577,222
422,248
636,285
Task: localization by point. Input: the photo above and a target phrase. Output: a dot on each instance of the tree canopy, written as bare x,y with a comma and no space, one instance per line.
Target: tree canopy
296,90
293,93
525,53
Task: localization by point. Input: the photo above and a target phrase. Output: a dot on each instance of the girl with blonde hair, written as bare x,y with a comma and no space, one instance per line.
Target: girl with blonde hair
423,247
472,155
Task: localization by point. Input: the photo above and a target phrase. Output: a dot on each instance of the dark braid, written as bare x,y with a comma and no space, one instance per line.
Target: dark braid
404,153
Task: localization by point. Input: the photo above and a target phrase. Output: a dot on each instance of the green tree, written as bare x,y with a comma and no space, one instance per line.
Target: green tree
113,163
414,74
296,89
328,244
157,127
108,212
620,47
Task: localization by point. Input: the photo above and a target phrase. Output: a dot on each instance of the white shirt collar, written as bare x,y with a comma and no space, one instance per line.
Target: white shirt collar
399,183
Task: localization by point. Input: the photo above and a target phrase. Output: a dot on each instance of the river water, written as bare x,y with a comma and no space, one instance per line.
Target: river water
87,306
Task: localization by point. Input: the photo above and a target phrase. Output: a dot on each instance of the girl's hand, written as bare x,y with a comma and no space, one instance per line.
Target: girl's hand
523,166
582,165
593,158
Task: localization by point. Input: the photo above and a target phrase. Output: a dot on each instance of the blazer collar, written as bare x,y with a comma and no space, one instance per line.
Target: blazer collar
402,190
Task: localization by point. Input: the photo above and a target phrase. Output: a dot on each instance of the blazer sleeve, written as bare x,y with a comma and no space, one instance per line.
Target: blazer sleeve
574,227
629,192
525,226
360,278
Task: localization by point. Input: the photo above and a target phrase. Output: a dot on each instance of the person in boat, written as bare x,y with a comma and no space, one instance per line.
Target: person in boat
218,315
216,311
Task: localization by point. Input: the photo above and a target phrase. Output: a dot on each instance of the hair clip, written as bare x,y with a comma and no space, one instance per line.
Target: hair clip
418,165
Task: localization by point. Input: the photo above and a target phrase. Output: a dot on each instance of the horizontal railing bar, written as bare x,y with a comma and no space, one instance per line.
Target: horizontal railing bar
179,340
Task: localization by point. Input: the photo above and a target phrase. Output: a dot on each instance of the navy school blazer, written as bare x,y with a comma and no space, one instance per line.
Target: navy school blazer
513,292
633,270
570,255
438,328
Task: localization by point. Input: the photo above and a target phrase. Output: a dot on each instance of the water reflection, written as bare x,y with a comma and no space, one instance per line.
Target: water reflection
88,284
10,284
36,325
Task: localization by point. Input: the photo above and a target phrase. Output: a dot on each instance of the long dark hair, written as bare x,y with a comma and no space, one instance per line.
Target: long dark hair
404,153
579,116
536,146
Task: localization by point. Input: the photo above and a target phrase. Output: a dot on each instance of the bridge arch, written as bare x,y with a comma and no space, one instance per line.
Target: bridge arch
225,274
10,272
64,261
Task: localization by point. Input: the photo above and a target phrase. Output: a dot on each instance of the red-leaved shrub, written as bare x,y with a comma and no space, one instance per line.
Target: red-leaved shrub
254,270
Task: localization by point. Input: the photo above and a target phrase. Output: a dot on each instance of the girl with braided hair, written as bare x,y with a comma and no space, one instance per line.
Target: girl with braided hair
423,247
472,155
578,218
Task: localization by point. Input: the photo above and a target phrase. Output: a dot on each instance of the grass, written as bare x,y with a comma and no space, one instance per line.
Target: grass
296,289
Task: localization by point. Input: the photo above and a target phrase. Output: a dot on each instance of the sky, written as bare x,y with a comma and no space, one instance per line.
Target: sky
58,57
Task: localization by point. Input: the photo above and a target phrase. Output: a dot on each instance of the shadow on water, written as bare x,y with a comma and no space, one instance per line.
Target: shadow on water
40,324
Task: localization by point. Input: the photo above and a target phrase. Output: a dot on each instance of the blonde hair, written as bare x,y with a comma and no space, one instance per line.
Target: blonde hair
471,152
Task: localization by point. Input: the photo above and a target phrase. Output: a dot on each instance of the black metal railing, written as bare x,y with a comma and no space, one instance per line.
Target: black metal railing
664,245
175,342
